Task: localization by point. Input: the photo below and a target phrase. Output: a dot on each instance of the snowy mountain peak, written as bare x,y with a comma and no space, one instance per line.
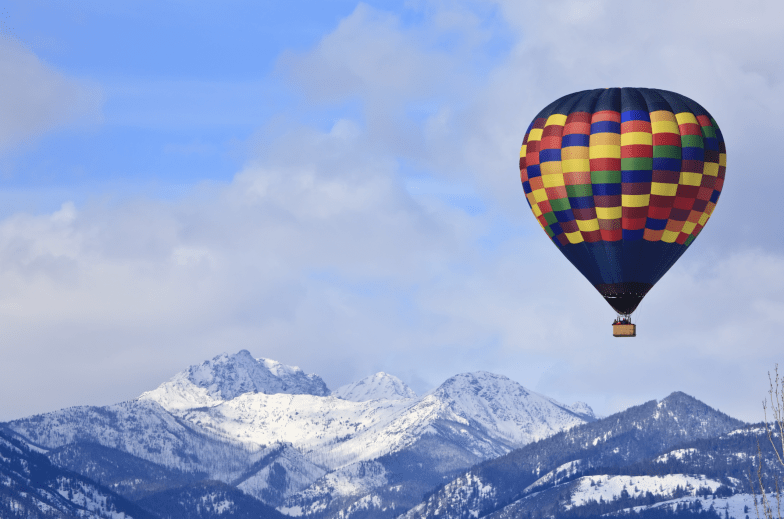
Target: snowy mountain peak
478,383
583,408
380,386
504,407
491,386
226,377
678,398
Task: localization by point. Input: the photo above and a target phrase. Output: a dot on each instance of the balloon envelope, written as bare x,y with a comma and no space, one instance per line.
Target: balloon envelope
623,180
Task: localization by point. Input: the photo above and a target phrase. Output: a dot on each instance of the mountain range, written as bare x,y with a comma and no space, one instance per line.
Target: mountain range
237,436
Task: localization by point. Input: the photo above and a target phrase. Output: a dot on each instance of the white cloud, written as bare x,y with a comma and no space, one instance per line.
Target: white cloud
36,98
369,54
722,56
293,260
317,254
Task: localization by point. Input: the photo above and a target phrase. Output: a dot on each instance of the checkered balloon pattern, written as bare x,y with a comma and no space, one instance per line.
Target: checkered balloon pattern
618,172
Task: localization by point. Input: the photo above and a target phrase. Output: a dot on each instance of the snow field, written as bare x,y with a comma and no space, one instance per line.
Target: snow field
609,488
677,454
734,505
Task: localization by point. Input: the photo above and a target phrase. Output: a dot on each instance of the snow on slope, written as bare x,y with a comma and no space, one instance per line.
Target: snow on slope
582,408
494,412
556,475
144,429
380,386
504,407
227,376
31,486
237,408
609,488
312,423
90,500
264,402
355,480
467,489
289,472
677,454
735,505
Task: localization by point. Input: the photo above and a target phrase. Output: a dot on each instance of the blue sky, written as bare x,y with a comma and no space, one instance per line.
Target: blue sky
334,185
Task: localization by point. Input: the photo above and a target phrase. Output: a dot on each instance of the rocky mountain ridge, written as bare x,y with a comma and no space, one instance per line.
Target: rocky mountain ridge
478,445
226,377
278,434
620,439
31,486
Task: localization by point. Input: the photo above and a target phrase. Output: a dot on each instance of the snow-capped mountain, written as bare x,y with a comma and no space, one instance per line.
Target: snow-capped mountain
694,475
493,414
623,439
143,429
380,386
227,376
470,418
584,409
504,408
30,486
373,449
273,431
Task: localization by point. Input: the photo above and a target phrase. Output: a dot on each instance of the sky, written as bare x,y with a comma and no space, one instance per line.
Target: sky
334,185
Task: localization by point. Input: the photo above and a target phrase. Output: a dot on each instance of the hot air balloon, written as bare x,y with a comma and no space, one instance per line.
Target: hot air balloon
623,180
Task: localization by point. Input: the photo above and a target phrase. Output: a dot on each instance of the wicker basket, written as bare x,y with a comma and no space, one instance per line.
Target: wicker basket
624,330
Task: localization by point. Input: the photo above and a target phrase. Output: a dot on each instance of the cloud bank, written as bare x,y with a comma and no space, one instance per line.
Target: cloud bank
348,248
